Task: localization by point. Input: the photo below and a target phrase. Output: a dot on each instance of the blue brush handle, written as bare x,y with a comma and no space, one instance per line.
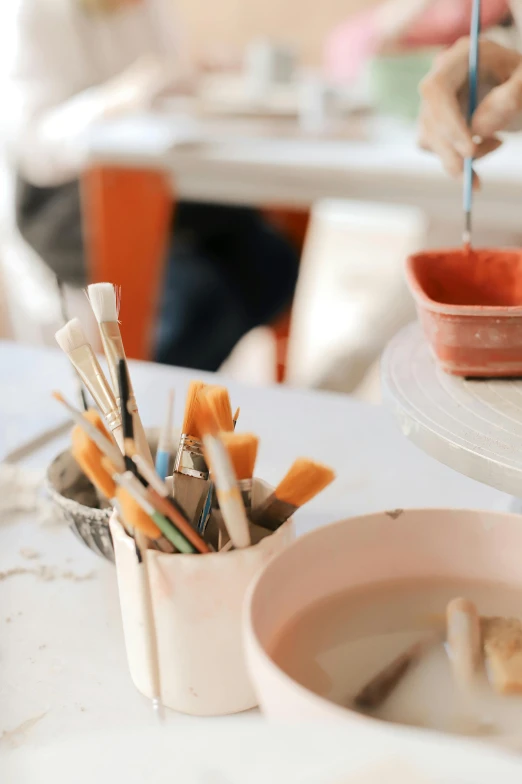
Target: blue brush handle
162,464
472,104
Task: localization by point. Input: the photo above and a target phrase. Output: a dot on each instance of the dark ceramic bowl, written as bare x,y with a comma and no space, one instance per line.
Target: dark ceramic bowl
76,501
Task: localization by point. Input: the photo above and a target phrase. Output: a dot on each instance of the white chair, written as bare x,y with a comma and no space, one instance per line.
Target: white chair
351,296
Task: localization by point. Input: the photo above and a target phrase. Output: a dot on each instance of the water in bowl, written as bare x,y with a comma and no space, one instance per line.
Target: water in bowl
339,644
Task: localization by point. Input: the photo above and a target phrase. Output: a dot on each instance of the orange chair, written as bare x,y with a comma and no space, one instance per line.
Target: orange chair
127,215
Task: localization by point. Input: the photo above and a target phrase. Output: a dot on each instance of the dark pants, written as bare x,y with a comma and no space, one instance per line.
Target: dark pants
228,271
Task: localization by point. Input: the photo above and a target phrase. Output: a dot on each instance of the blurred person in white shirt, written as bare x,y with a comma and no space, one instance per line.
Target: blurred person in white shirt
77,62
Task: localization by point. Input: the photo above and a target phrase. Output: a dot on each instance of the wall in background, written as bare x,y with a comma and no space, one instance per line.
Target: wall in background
232,23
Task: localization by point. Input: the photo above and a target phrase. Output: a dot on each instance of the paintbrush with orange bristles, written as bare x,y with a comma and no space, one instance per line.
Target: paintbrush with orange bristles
304,481
190,480
242,450
101,473
89,421
90,459
112,461
218,401
228,493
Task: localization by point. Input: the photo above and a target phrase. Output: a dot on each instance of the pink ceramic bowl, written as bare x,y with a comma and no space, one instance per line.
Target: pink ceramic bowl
360,551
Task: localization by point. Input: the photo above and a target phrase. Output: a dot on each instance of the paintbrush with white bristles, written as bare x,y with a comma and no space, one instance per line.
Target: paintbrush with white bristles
104,303
72,339
304,481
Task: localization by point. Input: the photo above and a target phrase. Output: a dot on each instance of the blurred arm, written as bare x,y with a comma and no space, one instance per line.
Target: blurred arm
49,111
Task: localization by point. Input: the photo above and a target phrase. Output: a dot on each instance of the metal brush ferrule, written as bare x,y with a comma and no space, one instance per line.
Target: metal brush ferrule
245,485
114,351
273,513
190,460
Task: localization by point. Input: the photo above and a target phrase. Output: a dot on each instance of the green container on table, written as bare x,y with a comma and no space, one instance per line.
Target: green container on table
394,81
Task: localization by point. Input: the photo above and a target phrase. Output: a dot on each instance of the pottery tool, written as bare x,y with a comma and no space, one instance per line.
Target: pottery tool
165,440
242,450
472,105
105,306
27,448
73,341
502,641
304,481
190,478
107,447
158,493
464,641
383,684
82,397
227,490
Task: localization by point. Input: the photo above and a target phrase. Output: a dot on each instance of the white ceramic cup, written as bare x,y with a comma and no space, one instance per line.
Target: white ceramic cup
197,603
414,543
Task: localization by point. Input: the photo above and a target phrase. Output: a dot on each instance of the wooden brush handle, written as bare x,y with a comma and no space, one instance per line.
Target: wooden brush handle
140,437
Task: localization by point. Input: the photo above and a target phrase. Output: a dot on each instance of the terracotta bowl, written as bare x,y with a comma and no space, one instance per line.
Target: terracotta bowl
358,552
470,306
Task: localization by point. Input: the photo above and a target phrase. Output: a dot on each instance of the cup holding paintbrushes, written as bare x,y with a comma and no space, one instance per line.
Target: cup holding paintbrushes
176,592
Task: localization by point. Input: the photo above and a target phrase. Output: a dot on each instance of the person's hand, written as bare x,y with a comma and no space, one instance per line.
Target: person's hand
443,126
139,86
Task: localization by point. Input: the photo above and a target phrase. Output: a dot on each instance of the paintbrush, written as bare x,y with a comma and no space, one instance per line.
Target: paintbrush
190,479
105,306
65,319
131,487
83,419
464,641
139,485
473,67
228,493
304,481
158,494
72,339
381,686
101,472
218,401
165,440
242,450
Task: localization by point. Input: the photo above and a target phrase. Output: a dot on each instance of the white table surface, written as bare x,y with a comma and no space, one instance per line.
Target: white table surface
62,663
233,162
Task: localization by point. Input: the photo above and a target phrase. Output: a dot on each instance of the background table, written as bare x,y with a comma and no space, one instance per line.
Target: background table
136,169
63,669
